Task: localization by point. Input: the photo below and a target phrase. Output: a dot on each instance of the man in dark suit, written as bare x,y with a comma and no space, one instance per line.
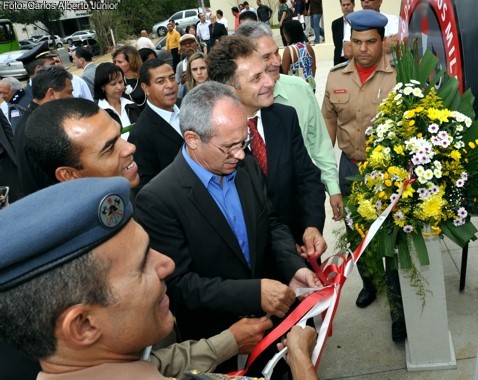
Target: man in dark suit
49,83
32,60
216,30
293,181
83,59
339,27
210,212
8,162
156,133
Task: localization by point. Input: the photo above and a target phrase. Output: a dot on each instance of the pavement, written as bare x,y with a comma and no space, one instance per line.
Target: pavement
361,346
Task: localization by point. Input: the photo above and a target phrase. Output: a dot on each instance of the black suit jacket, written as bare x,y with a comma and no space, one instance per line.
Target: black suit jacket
293,181
32,177
217,33
338,37
8,160
212,285
157,143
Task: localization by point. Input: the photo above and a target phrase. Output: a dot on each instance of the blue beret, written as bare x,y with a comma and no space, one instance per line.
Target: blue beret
39,51
58,224
366,19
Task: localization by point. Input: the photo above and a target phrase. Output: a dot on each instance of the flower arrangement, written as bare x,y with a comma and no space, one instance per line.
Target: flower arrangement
420,154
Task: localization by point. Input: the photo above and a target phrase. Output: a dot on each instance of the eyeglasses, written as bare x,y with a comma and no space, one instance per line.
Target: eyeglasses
232,151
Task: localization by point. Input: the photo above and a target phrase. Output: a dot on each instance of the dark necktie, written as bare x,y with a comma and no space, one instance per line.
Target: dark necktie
258,147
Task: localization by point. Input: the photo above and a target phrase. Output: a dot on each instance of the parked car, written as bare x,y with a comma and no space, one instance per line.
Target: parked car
34,37
10,67
47,37
88,43
182,20
162,53
79,35
27,44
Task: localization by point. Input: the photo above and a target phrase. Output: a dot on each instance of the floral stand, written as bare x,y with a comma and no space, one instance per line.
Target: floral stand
429,344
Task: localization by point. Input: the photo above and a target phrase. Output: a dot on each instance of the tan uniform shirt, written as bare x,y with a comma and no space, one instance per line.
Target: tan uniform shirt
203,355
110,371
353,104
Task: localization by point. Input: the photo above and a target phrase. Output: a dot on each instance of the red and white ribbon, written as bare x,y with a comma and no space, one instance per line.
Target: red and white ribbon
322,303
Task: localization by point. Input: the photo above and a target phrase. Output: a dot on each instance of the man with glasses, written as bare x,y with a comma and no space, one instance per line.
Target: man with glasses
293,181
209,212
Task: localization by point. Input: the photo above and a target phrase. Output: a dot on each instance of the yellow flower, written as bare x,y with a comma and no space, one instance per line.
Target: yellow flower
408,191
378,157
455,155
367,210
431,208
411,123
472,145
440,115
399,222
398,149
388,183
359,230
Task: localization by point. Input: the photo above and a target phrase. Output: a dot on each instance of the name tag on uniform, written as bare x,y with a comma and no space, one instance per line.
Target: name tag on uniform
340,91
14,113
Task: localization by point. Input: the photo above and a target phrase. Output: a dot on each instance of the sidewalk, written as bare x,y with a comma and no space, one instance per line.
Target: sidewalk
361,346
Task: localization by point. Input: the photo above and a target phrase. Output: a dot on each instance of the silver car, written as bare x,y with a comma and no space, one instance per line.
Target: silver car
79,35
10,67
182,19
47,37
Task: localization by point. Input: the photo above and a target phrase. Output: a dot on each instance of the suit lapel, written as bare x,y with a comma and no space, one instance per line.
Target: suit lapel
272,133
206,205
163,126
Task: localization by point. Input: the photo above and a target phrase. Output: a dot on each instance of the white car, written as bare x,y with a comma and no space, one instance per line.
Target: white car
47,37
182,19
79,36
10,67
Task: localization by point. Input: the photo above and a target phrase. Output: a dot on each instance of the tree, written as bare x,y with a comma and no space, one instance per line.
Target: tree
41,17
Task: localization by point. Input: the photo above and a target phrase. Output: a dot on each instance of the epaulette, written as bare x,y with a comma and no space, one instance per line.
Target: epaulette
339,66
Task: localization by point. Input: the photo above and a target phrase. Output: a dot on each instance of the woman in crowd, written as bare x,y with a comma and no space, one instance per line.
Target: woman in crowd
197,72
191,29
129,60
299,56
109,86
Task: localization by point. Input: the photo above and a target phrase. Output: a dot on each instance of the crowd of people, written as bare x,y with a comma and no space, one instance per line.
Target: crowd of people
226,161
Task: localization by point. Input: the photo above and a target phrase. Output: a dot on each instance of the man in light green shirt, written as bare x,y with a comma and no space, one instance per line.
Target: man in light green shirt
296,92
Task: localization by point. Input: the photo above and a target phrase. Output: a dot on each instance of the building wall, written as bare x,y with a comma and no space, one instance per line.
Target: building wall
71,21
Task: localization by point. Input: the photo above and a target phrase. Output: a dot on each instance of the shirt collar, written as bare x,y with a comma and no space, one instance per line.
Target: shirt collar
166,115
279,89
204,175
